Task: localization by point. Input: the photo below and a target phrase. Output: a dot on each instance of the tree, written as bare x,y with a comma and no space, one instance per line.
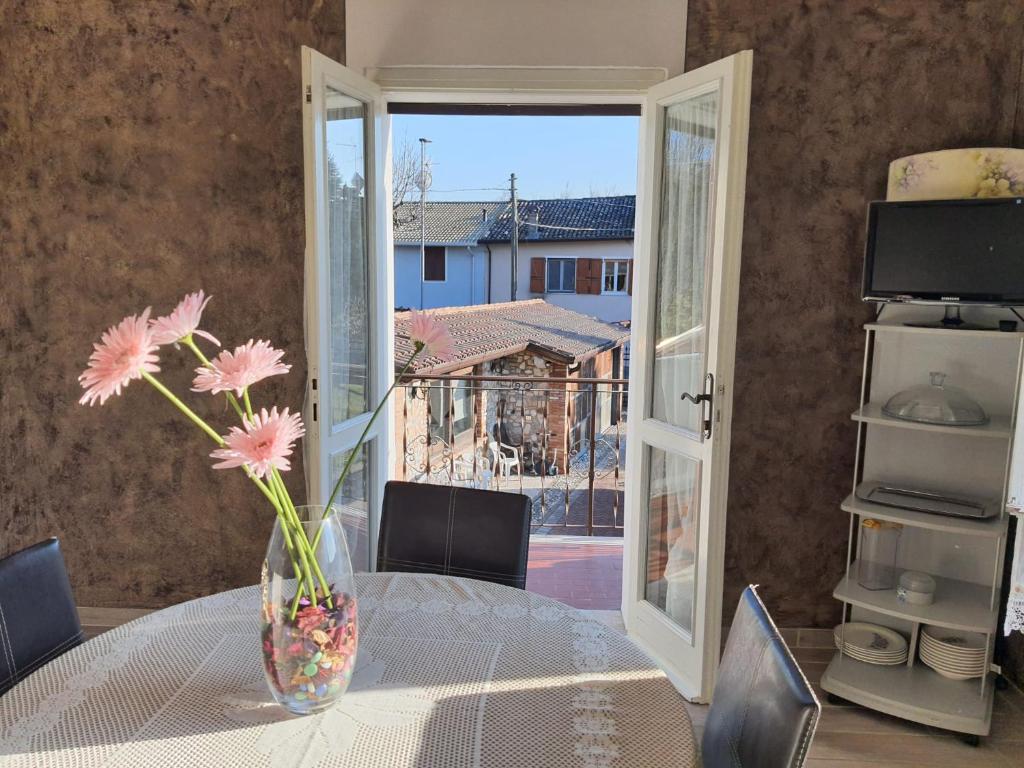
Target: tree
405,179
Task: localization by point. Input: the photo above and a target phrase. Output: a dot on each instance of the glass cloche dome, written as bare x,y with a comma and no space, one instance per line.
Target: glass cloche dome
936,403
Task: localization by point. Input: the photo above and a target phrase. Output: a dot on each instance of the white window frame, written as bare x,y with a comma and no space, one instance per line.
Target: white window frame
423,265
547,285
324,439
604,274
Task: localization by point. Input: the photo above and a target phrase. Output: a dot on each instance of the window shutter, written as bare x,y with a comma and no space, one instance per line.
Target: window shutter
595,271
582,275
629,277
537,266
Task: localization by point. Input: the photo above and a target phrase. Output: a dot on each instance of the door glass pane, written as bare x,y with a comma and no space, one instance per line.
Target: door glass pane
687,189
348,270
353,503
673,517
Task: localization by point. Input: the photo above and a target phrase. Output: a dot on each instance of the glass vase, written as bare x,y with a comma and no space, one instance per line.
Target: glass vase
308,622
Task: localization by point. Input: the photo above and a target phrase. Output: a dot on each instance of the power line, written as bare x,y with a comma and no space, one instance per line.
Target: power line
472,189
578,229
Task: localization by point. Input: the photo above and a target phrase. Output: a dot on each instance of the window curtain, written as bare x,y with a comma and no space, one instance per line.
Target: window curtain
687,190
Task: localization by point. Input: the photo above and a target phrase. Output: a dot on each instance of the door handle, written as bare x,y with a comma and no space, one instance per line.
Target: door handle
706,400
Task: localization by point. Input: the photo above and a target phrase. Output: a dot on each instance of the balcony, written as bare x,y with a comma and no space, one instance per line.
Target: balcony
560,441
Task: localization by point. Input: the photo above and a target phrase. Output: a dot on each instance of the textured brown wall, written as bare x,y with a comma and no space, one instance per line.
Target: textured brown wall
147,149
839,90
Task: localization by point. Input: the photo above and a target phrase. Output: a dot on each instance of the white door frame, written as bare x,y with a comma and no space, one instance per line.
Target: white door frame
322,440
730,193
693,676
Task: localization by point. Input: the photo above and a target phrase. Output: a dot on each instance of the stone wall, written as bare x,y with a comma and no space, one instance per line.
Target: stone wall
522,409
148,149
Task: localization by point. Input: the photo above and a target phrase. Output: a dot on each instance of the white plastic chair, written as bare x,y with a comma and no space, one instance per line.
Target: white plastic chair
502,463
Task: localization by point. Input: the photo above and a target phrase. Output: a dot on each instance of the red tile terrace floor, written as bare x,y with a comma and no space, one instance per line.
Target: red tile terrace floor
584,572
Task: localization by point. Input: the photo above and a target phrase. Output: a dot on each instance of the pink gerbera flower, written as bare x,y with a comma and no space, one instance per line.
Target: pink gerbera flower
429,333
237,370
183,321
124,352
264,444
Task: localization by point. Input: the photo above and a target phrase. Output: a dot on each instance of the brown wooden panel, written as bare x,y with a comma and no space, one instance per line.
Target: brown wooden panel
537,266
582,275
594,275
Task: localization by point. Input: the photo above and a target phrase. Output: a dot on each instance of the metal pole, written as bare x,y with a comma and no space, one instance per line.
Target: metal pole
592,419
423,218
515,237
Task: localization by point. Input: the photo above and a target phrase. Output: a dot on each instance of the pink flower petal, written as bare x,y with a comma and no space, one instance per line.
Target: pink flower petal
183,321
432,334
124,352
248,364
265,443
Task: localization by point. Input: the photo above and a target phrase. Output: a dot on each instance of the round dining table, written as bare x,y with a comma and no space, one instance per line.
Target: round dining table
450,672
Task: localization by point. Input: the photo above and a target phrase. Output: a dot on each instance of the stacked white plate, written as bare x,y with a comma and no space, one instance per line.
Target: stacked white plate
952,653
872,643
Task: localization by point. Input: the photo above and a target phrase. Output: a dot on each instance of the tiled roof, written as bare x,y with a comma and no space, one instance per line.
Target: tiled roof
584,218
447,223
489,331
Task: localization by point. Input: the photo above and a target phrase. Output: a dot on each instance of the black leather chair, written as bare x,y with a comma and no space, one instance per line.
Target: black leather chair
455,531
763,712
38,618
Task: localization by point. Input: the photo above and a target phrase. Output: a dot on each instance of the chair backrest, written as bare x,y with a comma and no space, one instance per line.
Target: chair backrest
763,712
455,531
38,618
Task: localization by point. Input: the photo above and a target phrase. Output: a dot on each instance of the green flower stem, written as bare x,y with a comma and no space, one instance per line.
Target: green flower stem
189,342
300,574
303,540
205,427
248,405
284,523
220,441
307,571
362,437
183,408
264,490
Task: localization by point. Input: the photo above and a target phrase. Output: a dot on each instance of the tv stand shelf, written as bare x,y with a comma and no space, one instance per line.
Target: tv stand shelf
958,605
965,556
871,413
991,528
912,692
896,326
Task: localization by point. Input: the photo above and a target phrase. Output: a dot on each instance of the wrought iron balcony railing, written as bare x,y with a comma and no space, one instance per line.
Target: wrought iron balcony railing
560,441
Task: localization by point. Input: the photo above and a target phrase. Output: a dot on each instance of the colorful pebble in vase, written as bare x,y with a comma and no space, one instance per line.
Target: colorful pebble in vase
308,660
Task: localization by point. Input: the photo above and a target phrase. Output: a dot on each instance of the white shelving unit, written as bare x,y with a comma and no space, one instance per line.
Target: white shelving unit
964,556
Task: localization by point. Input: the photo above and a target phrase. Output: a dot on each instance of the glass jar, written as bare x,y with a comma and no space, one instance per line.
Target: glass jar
876,558
309,643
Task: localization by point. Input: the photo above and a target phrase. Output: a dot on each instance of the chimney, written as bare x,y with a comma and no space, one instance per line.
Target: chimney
531,223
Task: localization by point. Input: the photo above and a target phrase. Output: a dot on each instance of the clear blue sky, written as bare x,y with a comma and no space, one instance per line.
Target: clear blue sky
551,156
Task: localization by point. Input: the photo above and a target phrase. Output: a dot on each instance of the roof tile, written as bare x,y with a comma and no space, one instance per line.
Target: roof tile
490,331
585,218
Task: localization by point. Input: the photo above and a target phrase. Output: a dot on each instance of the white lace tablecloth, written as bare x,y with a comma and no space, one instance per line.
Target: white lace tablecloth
451,672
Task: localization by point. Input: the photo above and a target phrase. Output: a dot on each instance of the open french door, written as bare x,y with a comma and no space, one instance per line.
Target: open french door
691,179
348,292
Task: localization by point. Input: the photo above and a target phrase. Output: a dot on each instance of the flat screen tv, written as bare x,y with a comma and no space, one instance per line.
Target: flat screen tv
946,252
